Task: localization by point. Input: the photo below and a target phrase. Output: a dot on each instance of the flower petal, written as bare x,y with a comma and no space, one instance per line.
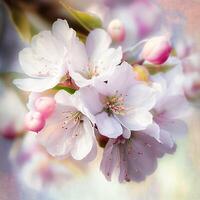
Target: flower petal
166,138
91,99
108,59
153,130
108,126
140,96
61,30
47,47
97,42
84,141
126,133
111,158
58,140
120,80
175,127
136,120
78,58
36,85
172,106
64,98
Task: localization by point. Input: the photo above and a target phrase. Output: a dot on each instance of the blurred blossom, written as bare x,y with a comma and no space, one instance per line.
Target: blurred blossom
12,112
139,18
35,168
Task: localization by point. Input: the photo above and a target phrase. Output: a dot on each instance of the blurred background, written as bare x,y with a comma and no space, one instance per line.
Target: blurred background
27,172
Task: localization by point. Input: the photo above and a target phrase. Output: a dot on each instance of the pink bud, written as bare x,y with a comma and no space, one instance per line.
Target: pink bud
157,50
116,30
34,121
45,105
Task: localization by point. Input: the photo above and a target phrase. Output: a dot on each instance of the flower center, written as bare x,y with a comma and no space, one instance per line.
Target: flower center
71,118
92,71
115,104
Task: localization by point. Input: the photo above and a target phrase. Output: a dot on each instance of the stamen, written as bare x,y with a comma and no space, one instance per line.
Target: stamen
115,104
70,117
92,71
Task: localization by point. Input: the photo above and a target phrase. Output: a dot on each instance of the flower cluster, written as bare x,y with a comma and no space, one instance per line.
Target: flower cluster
102,99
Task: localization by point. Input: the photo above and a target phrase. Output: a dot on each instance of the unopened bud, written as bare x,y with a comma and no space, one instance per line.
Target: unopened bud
157,50
116,30
45,105
34,121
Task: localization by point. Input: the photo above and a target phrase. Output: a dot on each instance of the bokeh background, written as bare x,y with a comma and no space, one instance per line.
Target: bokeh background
177,176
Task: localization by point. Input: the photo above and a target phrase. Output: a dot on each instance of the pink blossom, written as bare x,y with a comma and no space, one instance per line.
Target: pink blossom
46,60
170,107
95,59
68,131
135,158
119,101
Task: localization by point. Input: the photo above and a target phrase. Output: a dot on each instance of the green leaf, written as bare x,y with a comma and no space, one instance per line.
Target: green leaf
21,23
87,20
154,69
67,89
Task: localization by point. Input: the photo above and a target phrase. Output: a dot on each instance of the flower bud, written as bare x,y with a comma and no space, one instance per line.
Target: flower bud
157,50
34,121
116,30
45,105
141,73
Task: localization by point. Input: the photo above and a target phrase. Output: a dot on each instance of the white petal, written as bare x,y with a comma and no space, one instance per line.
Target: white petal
36,85
175,127
54,137
91,99
61,31
31,100
29,62
153,130
47,47
64,98
136,120
140,96
126,133
80,80
93,153
109,59
120,80
166,138
97,42
78,57
108,126
84,142
172,106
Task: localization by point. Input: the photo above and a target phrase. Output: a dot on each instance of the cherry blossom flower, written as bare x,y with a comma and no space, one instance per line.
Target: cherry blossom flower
95,59
119,101
68,131
168,111
45,61
135,157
